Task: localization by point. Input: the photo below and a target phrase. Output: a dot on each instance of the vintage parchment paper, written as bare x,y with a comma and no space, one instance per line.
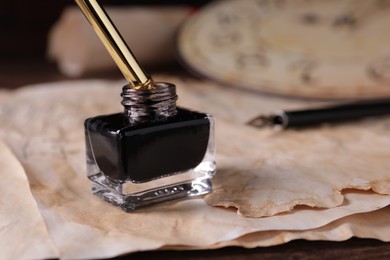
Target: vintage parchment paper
43,125
365,225
310,166
23,233
373,224
265,172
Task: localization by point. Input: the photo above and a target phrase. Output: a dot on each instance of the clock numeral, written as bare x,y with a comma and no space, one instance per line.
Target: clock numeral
310,19
270,3
380,70
305,69
228,30
386,126
252,60
227,19
383,4
223,38
358,12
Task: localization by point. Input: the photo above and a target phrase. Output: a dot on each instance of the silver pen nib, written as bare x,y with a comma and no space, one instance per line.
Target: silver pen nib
262,121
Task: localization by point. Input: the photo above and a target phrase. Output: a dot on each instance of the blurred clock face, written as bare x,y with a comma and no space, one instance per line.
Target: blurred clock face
308,48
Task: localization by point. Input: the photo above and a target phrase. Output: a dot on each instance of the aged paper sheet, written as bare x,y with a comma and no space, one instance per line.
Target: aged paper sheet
23,233
261,172
265,172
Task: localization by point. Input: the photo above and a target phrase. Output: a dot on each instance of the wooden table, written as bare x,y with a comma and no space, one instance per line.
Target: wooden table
17,73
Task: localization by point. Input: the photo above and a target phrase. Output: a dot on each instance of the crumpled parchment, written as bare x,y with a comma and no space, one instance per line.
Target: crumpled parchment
23,233
262,172
311,167
85,227
364,225
43,125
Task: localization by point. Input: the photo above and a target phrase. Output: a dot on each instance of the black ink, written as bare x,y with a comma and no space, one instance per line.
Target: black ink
147,151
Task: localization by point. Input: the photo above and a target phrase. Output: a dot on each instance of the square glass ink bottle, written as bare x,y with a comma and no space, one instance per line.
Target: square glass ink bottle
153,151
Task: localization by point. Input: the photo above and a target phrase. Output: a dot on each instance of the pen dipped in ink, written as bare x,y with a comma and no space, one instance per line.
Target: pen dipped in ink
153,151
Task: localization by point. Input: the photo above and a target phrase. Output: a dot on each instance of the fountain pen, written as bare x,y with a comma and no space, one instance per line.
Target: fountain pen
334,114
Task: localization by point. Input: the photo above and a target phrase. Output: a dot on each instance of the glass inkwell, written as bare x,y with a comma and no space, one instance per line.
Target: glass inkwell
153,151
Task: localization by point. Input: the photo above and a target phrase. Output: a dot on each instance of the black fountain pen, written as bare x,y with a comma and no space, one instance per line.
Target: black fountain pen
335,114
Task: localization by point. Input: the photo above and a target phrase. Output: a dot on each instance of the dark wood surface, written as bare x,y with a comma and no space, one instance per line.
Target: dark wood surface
352,249
21,72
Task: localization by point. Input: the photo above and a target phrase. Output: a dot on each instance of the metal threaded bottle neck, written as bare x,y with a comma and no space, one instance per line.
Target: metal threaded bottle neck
142,105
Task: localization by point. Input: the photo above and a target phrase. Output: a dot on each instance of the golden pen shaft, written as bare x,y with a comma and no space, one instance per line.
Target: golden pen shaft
114,43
